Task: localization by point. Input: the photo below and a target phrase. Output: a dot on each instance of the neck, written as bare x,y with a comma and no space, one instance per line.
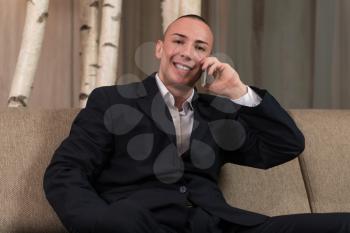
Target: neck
180,94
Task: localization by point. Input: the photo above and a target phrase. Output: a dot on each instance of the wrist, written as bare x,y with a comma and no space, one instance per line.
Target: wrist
238,92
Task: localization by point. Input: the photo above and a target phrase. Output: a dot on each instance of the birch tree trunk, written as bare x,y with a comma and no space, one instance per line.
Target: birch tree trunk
172,9
32,40
89,18
109,43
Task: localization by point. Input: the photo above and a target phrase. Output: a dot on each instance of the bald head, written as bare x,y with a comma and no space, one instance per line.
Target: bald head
189,23
190,16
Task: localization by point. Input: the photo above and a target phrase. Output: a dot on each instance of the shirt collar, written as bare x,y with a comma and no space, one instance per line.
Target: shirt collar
169,98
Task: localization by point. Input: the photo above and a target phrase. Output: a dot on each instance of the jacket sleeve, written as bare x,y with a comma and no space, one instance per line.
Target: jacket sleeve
271,136
67,180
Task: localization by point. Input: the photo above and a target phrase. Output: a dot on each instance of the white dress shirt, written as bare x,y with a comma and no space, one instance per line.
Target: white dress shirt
183,120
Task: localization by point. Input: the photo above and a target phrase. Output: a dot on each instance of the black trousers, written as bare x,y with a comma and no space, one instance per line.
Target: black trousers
302,223
130,217
133,218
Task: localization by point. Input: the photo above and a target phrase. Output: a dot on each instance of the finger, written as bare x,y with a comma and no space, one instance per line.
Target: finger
208,62
212,69
203,60
222,67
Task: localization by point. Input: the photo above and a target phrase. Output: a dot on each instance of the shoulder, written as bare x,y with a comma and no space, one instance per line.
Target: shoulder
216,106
119,92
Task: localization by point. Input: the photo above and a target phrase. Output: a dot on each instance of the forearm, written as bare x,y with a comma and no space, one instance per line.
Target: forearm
271,136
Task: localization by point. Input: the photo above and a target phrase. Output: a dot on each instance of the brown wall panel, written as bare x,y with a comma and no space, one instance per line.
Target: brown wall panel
52,87
53,82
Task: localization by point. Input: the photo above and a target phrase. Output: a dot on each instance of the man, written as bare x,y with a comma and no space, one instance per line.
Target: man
145,157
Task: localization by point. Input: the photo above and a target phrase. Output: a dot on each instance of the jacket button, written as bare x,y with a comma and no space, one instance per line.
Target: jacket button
188,204
183,189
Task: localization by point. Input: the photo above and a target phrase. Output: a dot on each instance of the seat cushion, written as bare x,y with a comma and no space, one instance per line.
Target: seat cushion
277,191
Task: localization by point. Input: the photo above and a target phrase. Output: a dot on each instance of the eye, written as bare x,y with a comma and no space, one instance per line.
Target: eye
178,41
200,48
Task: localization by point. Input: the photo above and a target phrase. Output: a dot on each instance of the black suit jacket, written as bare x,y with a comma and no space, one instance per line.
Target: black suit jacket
123,145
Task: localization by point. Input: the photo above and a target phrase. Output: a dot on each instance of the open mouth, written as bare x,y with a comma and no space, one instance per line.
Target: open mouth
182,66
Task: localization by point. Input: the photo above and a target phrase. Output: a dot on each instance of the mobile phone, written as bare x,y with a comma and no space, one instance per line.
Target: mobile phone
206,79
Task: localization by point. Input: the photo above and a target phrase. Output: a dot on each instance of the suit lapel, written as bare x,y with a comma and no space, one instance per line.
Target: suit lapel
200,125
152,104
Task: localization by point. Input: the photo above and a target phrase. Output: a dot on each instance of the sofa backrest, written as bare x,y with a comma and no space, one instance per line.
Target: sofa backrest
325,163
28,139
317,181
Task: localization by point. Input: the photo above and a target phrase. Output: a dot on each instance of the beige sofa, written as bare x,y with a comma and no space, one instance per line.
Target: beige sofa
318,181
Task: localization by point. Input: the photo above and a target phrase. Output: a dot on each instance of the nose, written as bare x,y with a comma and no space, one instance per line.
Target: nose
187,52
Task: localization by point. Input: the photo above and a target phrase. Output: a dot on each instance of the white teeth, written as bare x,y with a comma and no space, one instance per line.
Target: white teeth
182,67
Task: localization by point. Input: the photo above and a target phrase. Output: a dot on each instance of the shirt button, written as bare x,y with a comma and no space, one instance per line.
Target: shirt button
183,189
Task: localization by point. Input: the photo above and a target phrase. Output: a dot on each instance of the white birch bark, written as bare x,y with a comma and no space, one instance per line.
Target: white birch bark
32,40
89,18
190,7
109,43
172,9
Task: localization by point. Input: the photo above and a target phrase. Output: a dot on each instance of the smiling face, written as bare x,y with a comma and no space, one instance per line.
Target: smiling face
186,43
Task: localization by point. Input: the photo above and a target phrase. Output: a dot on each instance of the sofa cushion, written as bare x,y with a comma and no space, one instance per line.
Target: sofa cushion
277,191
28,139
325,162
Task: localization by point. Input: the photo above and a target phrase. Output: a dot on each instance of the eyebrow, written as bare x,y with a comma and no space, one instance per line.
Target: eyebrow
183,36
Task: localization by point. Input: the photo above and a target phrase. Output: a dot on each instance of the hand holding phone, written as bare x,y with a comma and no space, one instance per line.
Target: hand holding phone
225,82
206,79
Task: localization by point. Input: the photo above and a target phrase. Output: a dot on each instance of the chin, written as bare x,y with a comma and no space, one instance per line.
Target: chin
181,84
182,81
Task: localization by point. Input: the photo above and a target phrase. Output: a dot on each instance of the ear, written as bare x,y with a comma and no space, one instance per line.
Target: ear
159,49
